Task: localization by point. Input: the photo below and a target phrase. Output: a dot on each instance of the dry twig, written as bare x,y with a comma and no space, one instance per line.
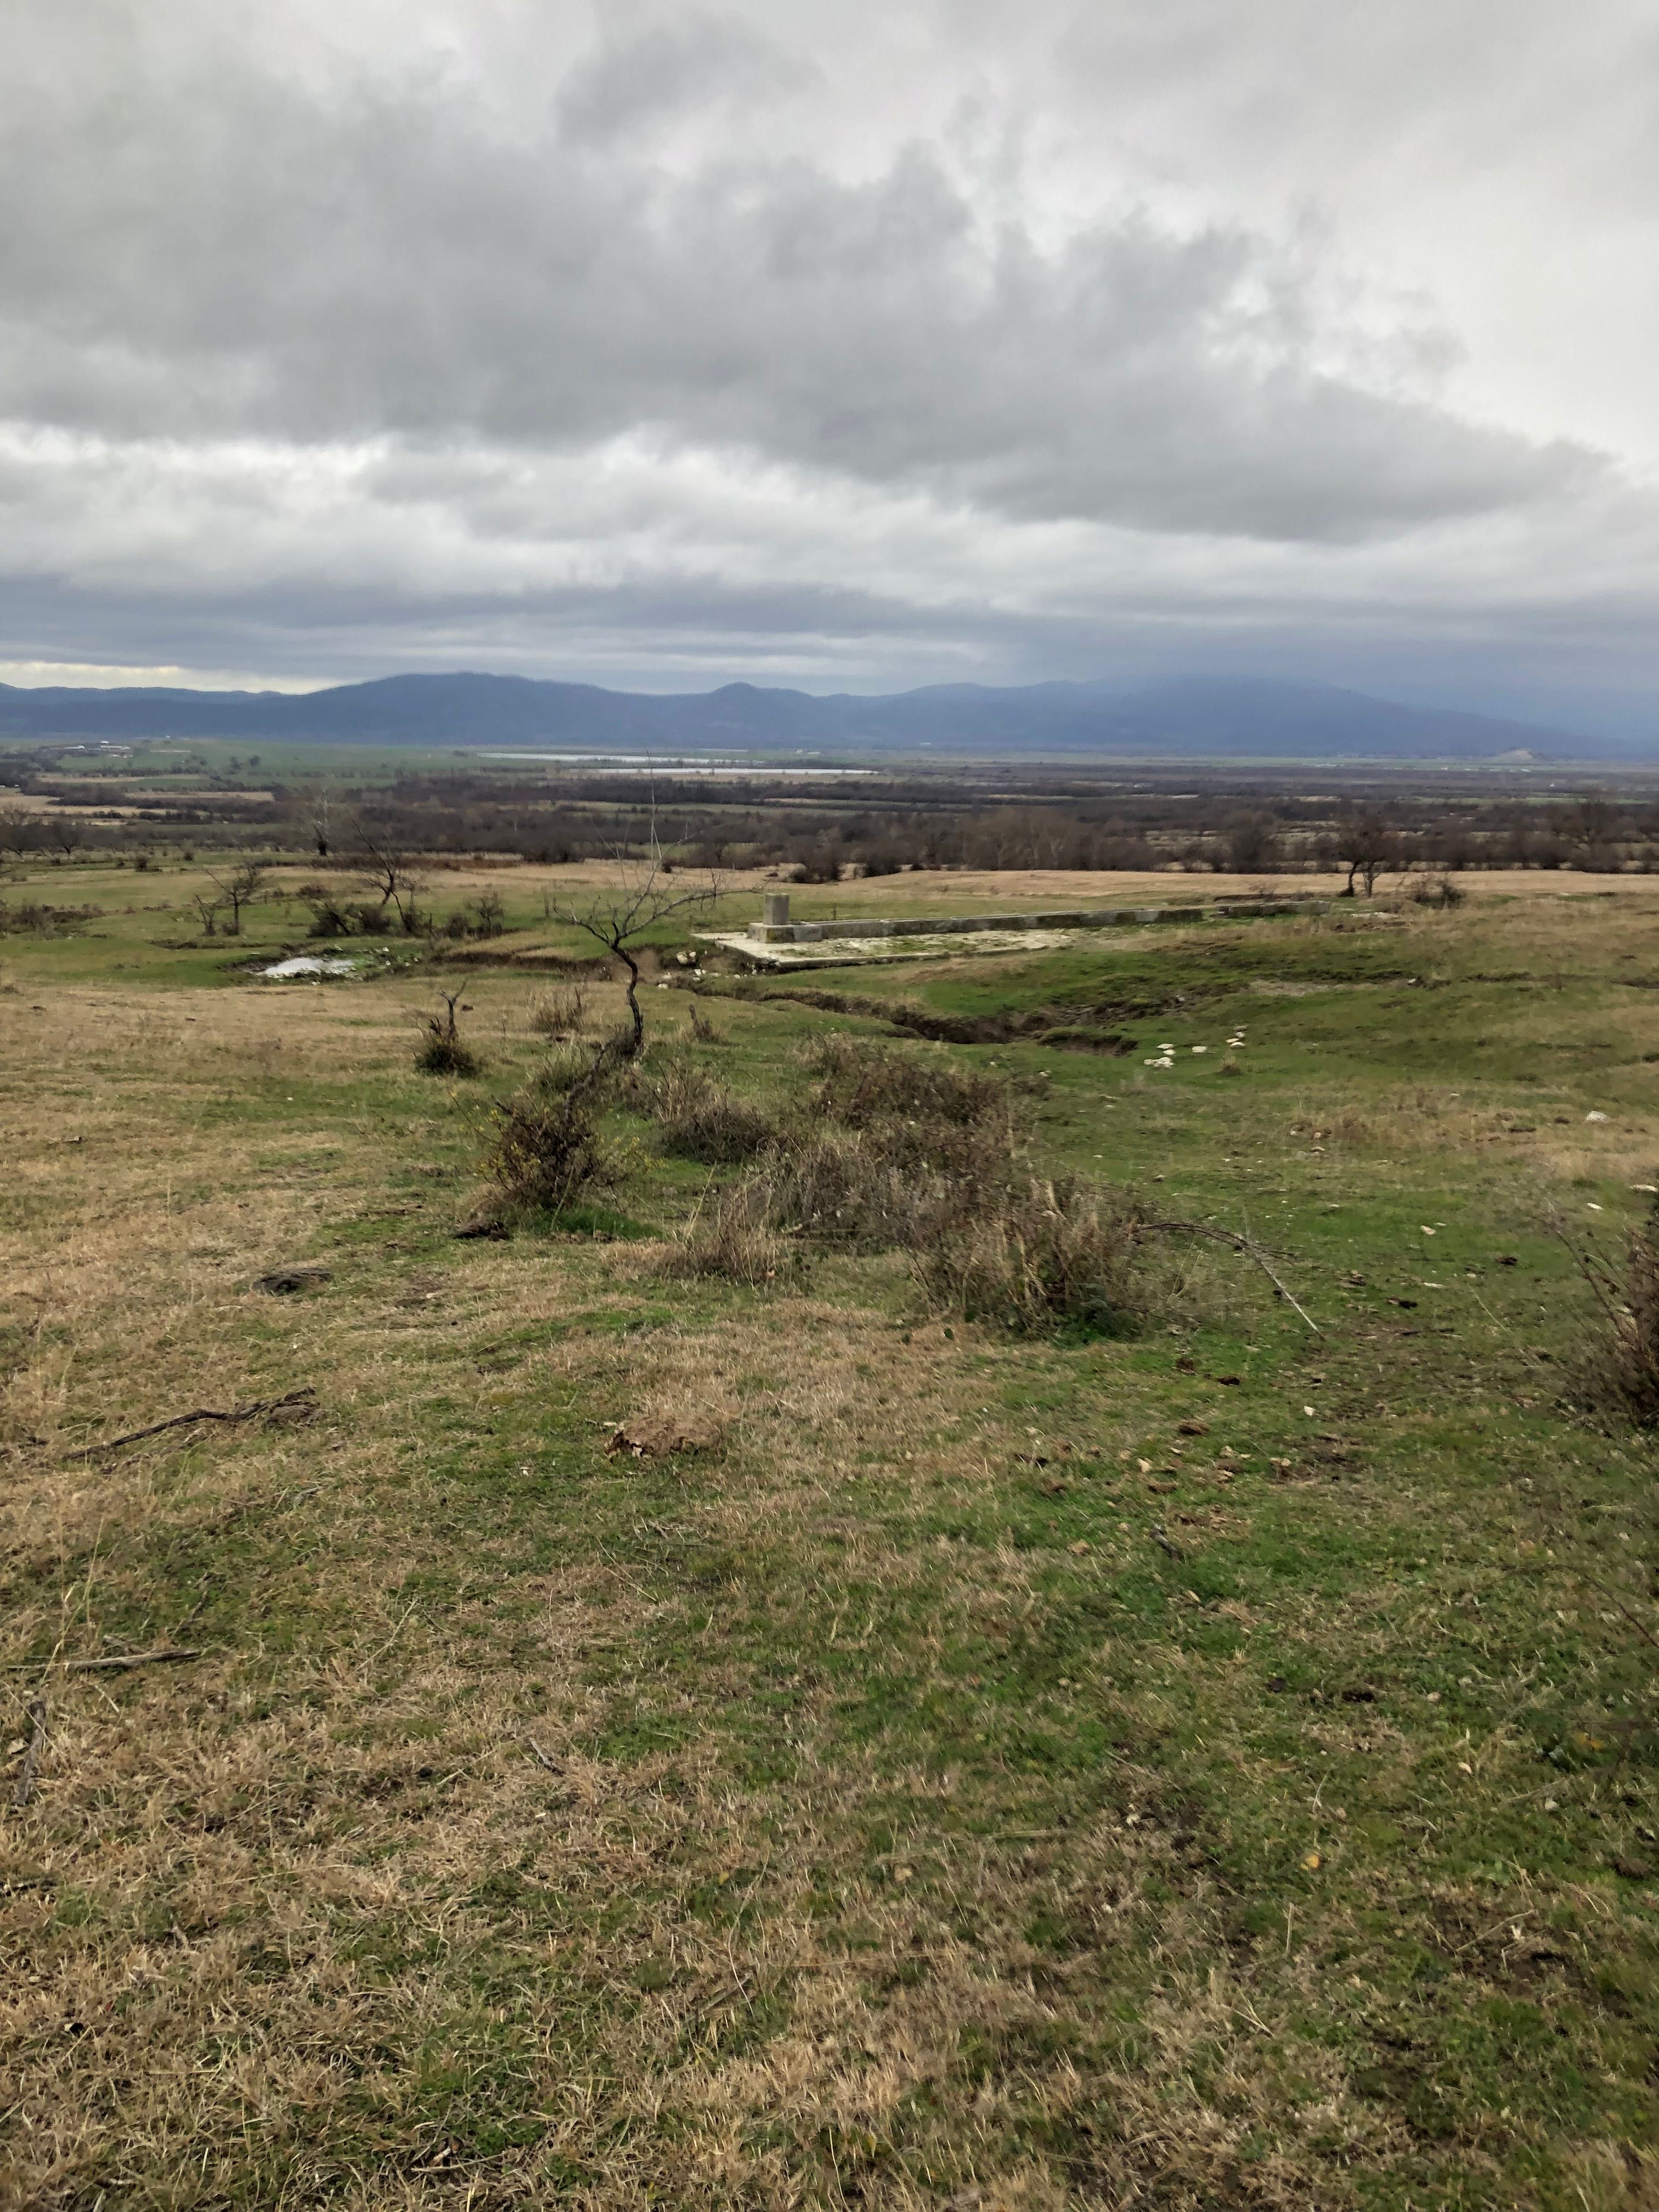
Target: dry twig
120,1660
24,1788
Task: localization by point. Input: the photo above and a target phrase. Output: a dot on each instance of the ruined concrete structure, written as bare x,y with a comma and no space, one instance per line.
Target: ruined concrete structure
775,927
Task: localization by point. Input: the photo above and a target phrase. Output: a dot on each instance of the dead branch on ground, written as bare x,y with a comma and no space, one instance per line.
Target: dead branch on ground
115,1663
1238,1244
260,1407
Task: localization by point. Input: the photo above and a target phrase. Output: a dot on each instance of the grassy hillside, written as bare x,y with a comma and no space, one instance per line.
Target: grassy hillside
1211,1763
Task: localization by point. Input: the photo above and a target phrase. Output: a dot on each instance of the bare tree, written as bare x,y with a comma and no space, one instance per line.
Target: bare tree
65,831
318,813
1591,828
17,827
208,908
646,893
1367,846
248,881
1250,844
387,868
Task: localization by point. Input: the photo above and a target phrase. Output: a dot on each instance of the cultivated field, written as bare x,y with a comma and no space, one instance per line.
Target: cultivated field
1206,1761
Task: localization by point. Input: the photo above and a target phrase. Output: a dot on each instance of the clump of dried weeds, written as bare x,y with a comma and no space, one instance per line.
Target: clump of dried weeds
700,1119
559,1013
1621,1362
1042,1252
906,1152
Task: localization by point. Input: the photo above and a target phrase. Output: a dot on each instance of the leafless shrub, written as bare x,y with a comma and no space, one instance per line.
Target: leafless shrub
41,920
699,1119
731,1239
702,1029
1027,1253
597,1070
1440,890
545,1153
489,915
843,1187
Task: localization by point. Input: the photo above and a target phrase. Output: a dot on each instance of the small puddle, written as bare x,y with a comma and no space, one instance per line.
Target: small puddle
308,964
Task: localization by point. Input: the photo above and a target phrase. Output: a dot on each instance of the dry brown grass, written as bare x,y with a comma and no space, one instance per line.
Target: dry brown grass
297,1922
253,1835
698,1118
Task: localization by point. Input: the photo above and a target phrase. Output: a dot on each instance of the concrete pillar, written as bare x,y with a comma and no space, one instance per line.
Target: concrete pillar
775,912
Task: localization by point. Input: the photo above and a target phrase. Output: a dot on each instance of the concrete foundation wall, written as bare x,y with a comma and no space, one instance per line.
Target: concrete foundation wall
817,933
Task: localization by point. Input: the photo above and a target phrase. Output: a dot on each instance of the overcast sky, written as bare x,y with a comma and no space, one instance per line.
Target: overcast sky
835,343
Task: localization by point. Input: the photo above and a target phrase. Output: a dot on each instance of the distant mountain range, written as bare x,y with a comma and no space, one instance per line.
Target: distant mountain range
1198,717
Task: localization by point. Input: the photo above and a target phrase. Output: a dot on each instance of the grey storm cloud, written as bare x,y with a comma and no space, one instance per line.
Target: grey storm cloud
246,257
807,326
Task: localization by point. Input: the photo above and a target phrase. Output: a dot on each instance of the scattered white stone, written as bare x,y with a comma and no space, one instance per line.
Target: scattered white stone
1595,1117
1200,1047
